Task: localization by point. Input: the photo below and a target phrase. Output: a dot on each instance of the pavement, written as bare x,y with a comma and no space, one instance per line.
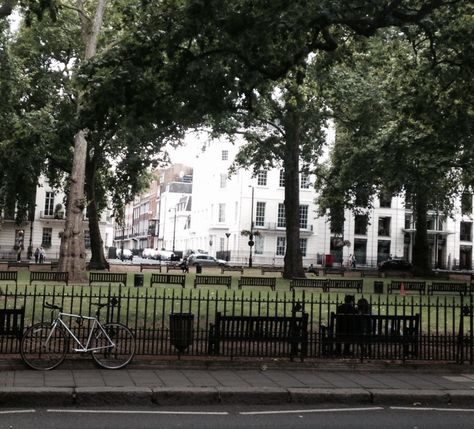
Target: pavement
177,383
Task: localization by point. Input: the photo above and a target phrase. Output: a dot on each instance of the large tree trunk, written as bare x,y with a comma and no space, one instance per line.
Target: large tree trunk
293,257
98,261
72,252
421,257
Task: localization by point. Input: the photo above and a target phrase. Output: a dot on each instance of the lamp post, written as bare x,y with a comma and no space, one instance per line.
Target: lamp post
251,242
174,227
227,234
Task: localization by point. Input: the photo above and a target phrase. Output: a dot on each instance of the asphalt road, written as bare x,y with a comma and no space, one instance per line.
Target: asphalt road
227,417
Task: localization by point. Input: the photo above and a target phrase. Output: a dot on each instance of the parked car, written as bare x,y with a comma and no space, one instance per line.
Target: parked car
150,253
205,260
165,255
127,254
395,265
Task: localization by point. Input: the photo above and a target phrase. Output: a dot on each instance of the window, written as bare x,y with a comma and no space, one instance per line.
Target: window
408,221
49,204
47,237
383,250
466,231
281,222
303,246
360,250
223,180
384,226
282,179
222,212
466,204
385,200
360,224
225,155
304,217
87,239
304,183
281,246
260,214
262,178
258,244
221,243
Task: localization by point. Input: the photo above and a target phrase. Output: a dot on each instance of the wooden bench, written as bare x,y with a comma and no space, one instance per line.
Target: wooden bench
407,286
49,276
345,284
9,276
241,331
309,283
176,279
371,333
16,264
453,287
173,267
271,270
258,282
231,268
12,322
334,271
108,278
213,280
154,267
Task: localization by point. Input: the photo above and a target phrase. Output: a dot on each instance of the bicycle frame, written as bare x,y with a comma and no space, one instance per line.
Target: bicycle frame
83,348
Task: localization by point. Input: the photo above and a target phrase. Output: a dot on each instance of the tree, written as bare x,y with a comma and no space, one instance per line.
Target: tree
418,138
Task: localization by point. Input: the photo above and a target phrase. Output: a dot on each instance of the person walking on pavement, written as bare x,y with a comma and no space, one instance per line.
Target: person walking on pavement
37,254
42,254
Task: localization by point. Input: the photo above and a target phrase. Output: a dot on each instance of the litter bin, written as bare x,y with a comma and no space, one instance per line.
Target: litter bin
181,330
198,269
138,280
378,287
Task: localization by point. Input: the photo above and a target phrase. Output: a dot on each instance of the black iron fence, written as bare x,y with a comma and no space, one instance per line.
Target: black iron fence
171,321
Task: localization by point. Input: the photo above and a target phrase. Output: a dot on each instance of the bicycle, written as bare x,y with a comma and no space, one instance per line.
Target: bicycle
44,345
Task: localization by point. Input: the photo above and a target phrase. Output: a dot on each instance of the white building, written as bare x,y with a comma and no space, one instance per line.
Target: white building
46,228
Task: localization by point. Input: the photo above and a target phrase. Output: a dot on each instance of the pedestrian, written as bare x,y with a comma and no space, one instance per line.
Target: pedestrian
353,261
37,254
42,254
345,325
364,326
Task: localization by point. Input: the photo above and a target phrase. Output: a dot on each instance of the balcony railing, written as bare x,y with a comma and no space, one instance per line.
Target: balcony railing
273,226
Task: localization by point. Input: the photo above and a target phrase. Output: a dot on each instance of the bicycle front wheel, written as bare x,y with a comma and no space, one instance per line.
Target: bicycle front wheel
43,348
115,344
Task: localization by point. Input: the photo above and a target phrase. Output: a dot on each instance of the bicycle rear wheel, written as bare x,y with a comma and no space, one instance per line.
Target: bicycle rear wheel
41,353
117,354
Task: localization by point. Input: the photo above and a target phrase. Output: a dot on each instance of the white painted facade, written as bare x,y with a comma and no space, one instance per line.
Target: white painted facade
46,228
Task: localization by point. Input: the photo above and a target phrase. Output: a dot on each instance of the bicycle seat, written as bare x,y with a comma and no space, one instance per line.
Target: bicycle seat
52,306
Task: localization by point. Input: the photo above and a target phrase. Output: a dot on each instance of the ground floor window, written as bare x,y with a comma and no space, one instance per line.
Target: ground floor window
281,246
360,250
47,237
465,257
383,250
303,246
87,239
258,244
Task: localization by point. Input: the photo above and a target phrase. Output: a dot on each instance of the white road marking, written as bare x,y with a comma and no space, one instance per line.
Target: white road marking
17,411
211,413
326,410
459,410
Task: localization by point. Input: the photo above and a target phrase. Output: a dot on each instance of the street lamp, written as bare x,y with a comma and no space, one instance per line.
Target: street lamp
227,234
251,242
174,227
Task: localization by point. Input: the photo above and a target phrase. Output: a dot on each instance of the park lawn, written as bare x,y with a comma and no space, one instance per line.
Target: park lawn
147,306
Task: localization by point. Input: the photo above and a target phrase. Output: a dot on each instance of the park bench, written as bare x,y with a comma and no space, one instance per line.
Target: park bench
408,285
12,322
309,283
334,271
271,270
108,278
451,287
173,267
17,264
48,276
245,333
258,282
9,276
381,336
177,279
231,268
154,267
213,280
345,284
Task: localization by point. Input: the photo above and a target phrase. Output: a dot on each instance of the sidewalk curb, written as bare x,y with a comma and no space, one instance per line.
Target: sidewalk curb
14,397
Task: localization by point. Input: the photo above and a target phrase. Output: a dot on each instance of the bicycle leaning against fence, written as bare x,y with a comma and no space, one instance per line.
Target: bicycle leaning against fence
44,345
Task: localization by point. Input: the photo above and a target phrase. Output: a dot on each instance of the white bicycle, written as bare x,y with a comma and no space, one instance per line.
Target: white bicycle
44,345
